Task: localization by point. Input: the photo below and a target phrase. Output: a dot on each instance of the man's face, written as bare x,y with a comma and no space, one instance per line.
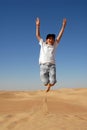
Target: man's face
50,40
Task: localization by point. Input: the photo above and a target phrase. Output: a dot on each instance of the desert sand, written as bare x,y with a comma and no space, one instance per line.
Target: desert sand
62,109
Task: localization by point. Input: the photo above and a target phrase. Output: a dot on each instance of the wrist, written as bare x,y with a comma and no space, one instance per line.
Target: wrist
37,25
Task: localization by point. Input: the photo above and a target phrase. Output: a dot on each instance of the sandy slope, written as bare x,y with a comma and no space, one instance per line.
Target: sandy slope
63,109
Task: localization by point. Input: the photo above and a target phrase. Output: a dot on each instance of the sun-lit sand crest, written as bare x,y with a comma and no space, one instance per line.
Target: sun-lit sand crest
63,109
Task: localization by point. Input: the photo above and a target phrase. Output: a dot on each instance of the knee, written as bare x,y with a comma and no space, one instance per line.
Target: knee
46,82
53,82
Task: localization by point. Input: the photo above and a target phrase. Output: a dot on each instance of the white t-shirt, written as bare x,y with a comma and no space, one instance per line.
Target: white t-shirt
47,52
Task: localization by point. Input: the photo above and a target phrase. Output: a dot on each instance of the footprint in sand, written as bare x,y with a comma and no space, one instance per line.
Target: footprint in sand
45,106
12,125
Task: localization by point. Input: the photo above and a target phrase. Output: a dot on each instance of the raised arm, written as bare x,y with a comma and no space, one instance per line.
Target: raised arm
38,29
61,31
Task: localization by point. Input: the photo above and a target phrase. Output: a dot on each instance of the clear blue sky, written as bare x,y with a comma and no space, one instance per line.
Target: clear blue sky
19,48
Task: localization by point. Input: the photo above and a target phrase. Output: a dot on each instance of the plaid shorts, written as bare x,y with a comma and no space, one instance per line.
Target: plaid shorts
48,73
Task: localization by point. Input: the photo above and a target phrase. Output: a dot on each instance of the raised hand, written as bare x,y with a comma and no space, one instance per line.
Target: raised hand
64,22
38,22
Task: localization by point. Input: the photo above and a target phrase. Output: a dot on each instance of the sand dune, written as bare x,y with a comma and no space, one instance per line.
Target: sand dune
63,109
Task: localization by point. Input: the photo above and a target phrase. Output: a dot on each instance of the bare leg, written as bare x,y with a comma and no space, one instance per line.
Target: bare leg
49,86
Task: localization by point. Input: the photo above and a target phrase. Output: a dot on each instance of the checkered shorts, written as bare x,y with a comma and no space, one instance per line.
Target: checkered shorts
48,73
